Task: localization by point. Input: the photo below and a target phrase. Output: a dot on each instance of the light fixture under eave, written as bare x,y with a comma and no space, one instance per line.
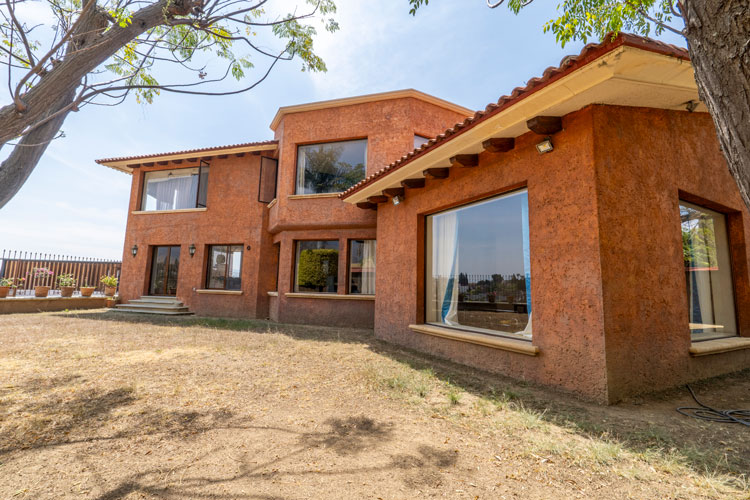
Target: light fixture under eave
397,199
545,146
191,249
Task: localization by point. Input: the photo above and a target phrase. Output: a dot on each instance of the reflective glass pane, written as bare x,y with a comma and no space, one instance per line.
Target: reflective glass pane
317,266
234,282
217,267
419,140
171,189
330,168
708,273
362,267
478,266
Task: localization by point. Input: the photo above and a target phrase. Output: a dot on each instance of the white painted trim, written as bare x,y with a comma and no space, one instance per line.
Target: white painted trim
272,203
208,291
382,96
273,294
177,211
505,344
331,296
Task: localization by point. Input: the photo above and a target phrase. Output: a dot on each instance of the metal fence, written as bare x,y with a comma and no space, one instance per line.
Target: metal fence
492,287
87,271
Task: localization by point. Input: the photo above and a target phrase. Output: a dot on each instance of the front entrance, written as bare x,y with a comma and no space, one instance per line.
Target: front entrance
164,267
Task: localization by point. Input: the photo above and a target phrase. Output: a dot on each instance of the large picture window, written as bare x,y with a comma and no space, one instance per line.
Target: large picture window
708,273
331,167
317,266
362,267
175,189
224,267
478,267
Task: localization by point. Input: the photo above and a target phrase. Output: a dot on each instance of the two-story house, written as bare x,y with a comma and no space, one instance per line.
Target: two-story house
583,232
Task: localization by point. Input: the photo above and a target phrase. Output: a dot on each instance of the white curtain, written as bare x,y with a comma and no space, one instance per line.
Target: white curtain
445,266
368,267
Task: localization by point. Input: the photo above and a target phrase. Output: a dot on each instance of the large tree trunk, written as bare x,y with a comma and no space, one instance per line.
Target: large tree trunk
57,89
718,35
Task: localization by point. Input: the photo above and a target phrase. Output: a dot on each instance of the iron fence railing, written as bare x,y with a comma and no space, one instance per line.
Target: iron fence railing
492,287
87,271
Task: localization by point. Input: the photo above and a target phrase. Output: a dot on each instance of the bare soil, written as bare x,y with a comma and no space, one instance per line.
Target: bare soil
106,405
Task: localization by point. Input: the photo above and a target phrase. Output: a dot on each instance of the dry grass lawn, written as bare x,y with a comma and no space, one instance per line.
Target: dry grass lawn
104,405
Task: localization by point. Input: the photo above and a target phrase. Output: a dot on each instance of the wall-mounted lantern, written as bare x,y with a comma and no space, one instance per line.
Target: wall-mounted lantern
545,146
191,249
134,250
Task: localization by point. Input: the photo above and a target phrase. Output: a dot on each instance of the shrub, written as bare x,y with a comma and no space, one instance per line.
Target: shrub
315,266
109,280
66,279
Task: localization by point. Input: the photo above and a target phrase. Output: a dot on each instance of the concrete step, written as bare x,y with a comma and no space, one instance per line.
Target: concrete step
157,298
163,312
164,307
159,303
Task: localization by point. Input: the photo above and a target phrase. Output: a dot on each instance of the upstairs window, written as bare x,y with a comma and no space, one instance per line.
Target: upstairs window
419,140
708,273
224,267
175,189
331,167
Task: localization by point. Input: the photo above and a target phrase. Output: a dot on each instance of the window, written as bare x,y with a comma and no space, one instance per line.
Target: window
175,189
478,267
268,173
330,168
419,140
224,266
317,266
362,267
708,273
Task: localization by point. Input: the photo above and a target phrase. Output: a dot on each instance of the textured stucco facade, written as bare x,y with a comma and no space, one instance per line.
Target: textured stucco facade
608,286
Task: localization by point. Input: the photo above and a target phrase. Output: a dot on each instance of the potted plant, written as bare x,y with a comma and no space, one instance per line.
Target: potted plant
110,285
17,282
41,273
67,284
5,285
86,290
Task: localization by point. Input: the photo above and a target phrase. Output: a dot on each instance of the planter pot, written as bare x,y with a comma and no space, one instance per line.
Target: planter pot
41,291
109,291
111,302
4,290
67,291
87,291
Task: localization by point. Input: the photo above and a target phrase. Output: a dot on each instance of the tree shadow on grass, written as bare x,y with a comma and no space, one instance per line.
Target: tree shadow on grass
670,435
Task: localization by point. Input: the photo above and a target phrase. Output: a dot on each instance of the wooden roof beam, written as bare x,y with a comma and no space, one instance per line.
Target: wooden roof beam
437,173
413,183
394,191
377,199
499,144
464,161
545,125
367,205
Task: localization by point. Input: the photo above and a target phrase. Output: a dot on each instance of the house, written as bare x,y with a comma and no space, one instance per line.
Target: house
582,233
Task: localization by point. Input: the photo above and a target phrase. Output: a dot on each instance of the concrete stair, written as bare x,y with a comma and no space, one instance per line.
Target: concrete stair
167,306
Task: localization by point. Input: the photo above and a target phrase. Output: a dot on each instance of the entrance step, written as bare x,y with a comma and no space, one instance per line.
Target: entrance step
169,306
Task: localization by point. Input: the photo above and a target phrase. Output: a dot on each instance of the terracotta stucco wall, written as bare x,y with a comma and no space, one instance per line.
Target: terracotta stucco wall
565,268
389,127
646,160
233,216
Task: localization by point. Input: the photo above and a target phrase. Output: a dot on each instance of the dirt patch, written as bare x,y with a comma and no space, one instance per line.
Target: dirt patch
104,405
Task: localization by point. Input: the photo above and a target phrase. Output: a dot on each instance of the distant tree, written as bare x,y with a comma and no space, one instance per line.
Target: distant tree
463,279
718,38
316,266
98,52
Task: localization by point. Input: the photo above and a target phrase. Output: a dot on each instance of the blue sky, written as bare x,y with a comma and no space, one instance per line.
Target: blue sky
457,50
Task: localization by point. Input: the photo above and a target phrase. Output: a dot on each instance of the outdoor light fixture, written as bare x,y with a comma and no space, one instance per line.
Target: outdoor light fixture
191,249
545,146
134,250
397,199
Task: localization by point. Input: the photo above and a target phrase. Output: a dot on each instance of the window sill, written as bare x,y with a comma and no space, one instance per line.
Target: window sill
178,211
218,292
333,296
718,346
312,196
505,344
272,203
273,294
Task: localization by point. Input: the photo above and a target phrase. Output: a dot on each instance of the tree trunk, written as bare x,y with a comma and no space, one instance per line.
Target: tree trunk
718,35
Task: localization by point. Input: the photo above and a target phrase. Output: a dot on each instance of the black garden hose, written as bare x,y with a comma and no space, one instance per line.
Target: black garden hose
705,412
